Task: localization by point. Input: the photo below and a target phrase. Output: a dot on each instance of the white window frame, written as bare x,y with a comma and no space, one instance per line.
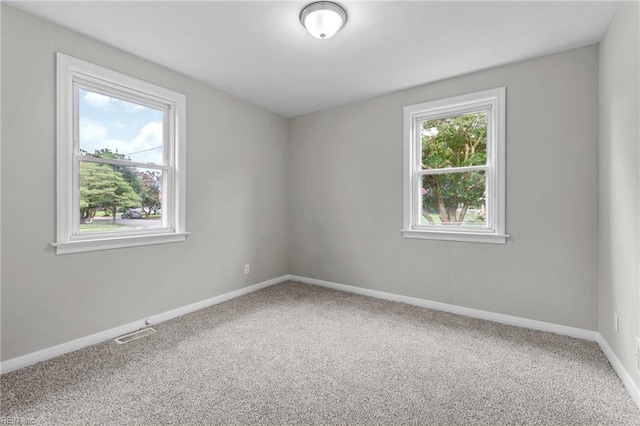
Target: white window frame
493,103
73,73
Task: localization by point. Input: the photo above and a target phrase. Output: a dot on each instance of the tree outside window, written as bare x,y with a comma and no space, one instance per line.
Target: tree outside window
459,141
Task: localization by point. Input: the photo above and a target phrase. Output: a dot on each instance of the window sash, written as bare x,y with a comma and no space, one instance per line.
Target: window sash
417,200
103,88
167,222
420,119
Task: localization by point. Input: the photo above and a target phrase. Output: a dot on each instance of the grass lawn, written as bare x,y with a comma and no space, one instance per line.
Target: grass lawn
84,227
152,216
437,221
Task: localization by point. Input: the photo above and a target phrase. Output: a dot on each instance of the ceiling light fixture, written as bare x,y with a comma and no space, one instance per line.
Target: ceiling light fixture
323,18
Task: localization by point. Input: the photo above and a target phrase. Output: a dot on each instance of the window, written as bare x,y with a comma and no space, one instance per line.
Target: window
454,166
120,160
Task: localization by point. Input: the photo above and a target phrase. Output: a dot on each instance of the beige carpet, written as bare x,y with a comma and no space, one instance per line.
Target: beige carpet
294,354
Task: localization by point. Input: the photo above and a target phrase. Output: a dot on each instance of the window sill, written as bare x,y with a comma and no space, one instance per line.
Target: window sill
470,237
118,242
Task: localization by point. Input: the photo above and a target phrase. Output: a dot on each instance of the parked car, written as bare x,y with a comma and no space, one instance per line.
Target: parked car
132,214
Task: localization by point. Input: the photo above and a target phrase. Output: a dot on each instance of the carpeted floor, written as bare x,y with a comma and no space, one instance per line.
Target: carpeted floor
294,354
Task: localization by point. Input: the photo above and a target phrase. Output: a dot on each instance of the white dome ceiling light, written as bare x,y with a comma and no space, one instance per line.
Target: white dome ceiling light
323,19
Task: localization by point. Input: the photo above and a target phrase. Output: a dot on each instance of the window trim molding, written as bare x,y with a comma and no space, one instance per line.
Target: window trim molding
96,244
68,71
493,101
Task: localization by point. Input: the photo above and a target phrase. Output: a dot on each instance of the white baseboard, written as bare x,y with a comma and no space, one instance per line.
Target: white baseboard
74,345
213,301
63,348
454,309
54,351
625,377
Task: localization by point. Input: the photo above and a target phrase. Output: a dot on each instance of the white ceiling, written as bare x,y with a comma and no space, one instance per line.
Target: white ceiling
260,52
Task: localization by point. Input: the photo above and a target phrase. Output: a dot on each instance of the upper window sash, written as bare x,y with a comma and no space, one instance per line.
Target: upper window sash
129,95
418,132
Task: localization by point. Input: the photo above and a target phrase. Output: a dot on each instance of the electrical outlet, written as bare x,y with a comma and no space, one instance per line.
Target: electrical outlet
247,269
616,323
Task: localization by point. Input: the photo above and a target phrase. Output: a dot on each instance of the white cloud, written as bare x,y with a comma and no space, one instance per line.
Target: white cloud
97,100
91,131
149,140
151,133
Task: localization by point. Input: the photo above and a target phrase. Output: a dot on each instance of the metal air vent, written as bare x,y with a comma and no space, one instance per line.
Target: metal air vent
135,335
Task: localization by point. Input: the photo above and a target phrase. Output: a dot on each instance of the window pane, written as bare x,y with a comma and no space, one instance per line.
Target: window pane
457,141
117,198
454,199
114,128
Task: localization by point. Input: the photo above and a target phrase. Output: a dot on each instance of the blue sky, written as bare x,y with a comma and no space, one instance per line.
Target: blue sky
129,128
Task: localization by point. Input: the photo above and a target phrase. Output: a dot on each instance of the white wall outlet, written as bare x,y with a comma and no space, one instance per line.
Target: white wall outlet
616,323
247,269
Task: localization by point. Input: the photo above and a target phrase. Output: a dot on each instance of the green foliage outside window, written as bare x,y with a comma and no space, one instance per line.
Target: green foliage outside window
102,186
458,141
114,187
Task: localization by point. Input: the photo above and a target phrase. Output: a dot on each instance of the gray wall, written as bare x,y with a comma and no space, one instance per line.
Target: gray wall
620,183
237,201
346,197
